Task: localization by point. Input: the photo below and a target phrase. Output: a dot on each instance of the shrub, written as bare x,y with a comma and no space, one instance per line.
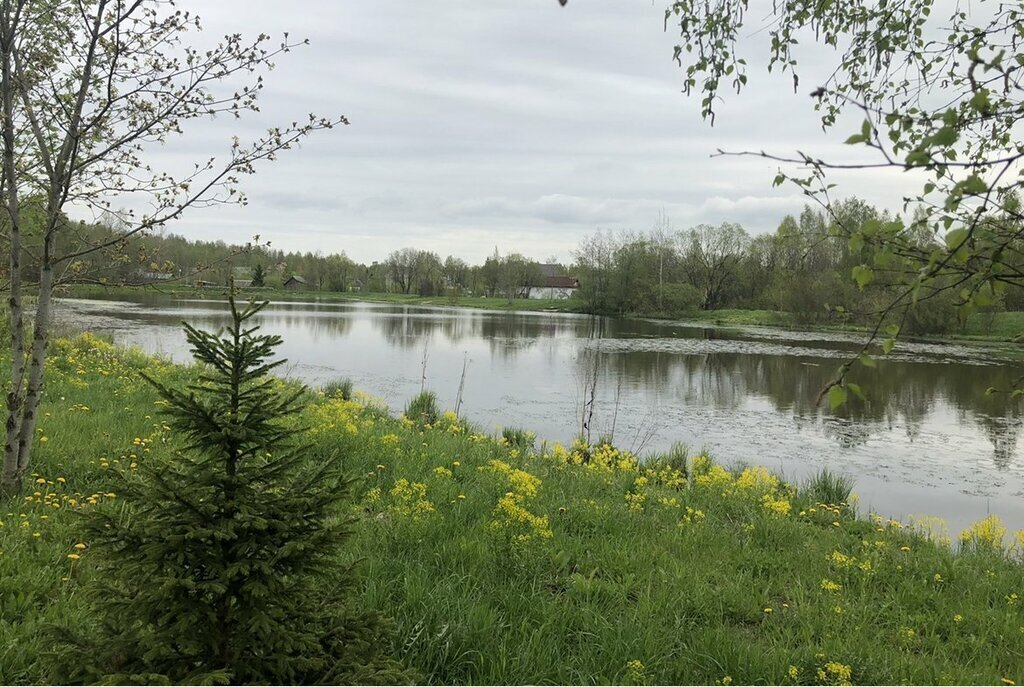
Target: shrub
223,564
422,409
339,388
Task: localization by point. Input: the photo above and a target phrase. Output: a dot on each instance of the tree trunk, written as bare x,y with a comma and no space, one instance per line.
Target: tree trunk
10,479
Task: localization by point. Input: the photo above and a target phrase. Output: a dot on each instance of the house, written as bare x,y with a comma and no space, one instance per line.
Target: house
295,283
553,284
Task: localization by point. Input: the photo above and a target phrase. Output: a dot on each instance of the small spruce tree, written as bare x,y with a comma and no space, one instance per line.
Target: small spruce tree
222,563
258,275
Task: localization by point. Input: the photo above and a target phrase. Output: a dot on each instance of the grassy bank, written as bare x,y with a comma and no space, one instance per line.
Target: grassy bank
505,562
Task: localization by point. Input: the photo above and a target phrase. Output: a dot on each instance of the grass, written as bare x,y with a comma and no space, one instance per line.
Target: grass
505,564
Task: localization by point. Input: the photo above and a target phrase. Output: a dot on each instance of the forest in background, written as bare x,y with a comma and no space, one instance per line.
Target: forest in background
807,268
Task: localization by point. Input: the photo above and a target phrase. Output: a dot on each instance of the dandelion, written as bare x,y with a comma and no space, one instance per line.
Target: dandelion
793,672
727,680
41,481
456,464
769,610
461,497
74,556
958,618
1007,681
938,578
80,546
904,548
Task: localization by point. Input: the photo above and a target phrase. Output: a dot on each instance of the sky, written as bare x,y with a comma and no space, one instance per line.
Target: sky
516,125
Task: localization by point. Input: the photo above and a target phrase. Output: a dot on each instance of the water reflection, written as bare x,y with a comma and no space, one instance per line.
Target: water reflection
749,394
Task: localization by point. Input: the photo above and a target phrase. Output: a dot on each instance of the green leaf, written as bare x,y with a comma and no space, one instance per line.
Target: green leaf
867,361
857,391
955,237
973,185
856,243
863,275
836,396
980,101
946,136
888,345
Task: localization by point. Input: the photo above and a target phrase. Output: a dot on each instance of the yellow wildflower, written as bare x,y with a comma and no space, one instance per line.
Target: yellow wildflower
830,586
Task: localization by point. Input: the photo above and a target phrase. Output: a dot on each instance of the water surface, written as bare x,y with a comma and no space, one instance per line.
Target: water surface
928,440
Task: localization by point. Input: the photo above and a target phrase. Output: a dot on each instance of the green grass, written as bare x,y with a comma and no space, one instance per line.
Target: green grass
502,564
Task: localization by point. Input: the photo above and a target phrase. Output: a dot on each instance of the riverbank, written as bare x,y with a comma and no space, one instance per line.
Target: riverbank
504,562
999,329
219,293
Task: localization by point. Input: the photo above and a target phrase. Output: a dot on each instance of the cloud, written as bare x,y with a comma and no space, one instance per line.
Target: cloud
522,124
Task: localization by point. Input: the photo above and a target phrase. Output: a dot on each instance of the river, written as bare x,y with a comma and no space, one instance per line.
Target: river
927,441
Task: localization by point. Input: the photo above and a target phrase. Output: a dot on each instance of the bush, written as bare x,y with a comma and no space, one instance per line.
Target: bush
339,388
223,564
422,409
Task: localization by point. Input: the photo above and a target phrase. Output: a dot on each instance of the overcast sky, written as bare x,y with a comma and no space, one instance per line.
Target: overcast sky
515,124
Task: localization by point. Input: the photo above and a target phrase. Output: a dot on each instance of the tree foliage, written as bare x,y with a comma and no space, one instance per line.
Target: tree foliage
87,87
224,565
938,93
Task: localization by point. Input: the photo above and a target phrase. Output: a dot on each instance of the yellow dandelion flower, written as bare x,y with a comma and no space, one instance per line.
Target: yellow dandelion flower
74,556
80,546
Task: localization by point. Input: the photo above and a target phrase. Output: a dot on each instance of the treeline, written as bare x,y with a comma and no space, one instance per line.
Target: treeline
163,257
809,267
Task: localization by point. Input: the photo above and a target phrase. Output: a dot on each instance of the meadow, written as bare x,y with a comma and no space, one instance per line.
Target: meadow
504,560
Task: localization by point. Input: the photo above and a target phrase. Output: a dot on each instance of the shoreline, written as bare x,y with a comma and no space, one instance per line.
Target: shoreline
725,318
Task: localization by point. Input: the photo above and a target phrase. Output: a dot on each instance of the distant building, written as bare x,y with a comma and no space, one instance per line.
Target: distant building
148,277
242,283
553,284
295,283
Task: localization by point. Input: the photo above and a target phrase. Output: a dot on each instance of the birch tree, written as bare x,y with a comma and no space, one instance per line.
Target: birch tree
938,91
88,88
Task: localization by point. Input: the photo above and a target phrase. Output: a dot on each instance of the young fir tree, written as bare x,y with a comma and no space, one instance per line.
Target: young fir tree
222,566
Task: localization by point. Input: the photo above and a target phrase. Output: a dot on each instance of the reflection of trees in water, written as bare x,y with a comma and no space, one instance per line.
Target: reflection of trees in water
1003,432
895,393
505,333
